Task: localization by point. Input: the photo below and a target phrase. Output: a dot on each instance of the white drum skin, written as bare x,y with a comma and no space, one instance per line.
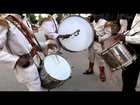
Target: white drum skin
57,67
80,42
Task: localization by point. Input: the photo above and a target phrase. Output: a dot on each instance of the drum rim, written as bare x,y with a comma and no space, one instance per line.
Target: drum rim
113,44
89,24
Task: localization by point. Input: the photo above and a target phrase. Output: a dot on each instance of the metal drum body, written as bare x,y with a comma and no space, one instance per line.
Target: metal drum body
118,56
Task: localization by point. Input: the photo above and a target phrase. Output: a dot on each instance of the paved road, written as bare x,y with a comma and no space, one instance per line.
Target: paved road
78,82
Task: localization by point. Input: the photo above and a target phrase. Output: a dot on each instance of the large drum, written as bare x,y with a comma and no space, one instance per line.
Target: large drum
84,37
58,70
118,56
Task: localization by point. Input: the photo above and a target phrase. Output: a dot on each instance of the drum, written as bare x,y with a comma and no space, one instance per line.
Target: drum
78,42
58,70
118,56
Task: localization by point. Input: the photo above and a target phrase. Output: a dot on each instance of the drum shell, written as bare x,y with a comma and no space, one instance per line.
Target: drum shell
56,76
118,56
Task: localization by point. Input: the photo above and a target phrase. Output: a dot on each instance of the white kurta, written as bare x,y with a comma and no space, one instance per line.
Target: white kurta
135,28
103,34
49,29
17,44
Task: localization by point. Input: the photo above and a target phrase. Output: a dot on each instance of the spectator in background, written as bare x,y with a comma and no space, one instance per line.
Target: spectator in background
123,23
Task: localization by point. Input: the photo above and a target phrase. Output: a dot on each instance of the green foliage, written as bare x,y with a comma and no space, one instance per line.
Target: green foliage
32,18
60,15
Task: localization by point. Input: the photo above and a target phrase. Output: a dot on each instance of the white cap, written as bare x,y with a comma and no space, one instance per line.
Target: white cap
89,14
85,15
25,16
45,15
55,16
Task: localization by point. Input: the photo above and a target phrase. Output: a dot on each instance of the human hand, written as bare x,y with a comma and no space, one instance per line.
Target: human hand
52,46
23,62
120,36
66,36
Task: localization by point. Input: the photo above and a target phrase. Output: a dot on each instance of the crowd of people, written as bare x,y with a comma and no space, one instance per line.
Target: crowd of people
17,34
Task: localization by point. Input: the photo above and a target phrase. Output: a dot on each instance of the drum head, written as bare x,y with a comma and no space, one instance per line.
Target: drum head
58,69
80,42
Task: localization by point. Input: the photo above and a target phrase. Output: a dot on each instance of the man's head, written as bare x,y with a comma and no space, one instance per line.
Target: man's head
97,16
55,16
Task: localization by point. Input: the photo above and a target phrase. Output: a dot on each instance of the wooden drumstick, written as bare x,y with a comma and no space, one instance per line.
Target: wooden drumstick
57,57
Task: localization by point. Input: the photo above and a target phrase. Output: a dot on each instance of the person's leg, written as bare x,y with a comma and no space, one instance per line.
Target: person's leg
34,85
101,68
90,69
97,51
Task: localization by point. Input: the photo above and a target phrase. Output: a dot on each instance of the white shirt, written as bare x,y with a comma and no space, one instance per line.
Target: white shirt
102,32
49,28
135,28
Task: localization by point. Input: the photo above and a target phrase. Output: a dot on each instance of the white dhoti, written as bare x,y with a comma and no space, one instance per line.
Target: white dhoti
34,85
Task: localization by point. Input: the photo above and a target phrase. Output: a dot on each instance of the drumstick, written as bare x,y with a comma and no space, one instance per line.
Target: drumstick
57,57
76,31
56,54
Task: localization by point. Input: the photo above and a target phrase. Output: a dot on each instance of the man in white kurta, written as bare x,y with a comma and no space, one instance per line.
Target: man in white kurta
102,31
131,73
17,45
50,28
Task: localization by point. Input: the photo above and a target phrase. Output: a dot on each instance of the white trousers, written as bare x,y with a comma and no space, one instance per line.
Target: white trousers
34,85
95,53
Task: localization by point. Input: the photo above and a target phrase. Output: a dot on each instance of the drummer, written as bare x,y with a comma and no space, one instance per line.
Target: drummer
131,73
21,55
102,31
50,29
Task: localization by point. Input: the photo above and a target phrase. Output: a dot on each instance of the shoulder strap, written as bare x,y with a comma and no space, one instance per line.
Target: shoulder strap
55,25
4,23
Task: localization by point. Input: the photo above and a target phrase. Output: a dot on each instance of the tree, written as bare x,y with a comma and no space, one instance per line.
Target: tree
32,18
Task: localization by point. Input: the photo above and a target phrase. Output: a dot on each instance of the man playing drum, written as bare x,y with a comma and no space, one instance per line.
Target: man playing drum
50,29
131,73
102,31
21,54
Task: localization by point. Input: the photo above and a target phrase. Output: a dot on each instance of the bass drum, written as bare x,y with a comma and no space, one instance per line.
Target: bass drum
79,42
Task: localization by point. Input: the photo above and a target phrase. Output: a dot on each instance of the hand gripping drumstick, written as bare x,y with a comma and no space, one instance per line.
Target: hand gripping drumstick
76,32
55,54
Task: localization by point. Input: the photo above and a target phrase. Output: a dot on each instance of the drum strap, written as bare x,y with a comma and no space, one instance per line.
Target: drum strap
25,32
